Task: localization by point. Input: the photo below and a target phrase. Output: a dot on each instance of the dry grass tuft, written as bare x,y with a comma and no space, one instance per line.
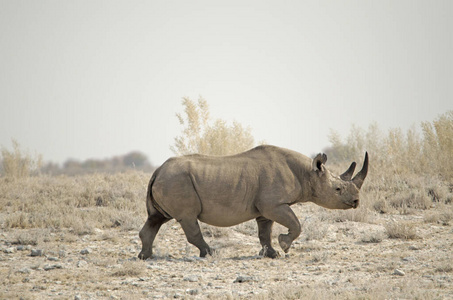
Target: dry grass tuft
442,216
417,199
372,237
401,230
130,269
25,238
446,268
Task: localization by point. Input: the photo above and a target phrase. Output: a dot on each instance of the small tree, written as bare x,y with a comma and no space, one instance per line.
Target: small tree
135,159
201,136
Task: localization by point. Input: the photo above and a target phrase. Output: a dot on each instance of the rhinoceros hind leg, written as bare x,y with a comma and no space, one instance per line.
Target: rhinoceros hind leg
149,232
193,234
264,234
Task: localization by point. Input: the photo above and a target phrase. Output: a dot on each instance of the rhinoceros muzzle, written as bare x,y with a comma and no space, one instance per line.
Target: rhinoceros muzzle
353,204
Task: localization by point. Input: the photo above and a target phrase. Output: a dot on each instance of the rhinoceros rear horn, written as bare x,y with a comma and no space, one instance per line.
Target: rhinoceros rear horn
360,177
348,174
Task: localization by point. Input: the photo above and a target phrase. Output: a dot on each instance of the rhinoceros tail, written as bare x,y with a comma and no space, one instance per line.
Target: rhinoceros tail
151,204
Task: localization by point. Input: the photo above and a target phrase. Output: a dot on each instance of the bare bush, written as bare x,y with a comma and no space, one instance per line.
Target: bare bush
17,163
202,136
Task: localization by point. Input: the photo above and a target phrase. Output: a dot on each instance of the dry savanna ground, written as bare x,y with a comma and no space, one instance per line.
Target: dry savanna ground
77,238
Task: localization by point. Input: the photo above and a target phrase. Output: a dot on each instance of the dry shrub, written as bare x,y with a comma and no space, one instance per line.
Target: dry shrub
446,267
401,230
26,238
313,229
360,214
319,256
17,163
204,137
442,216
213,231
130,269
411,199
248,228
380,205
372,237
440,192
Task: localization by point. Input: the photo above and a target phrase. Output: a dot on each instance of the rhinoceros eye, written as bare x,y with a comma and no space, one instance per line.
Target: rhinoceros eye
338,189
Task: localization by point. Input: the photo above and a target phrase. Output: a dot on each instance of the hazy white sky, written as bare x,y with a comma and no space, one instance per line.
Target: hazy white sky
93,79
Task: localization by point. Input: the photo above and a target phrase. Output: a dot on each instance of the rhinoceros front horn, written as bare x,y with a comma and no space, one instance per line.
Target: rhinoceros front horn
360,177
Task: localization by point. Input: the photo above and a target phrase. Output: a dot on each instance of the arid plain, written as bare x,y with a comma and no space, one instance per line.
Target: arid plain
77,238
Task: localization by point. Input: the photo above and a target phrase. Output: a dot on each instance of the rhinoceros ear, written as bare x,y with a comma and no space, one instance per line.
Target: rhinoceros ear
318,163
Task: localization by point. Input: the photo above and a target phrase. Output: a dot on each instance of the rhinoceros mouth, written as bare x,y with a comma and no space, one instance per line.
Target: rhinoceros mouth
352,204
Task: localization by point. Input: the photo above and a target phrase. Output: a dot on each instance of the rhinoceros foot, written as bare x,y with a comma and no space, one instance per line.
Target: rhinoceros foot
269,252
145,255
285,242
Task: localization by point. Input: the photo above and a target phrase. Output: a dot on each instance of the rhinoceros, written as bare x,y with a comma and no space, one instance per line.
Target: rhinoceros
260,184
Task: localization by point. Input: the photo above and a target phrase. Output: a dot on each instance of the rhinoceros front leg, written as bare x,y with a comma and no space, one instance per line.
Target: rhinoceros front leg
284,215
193,234
264,233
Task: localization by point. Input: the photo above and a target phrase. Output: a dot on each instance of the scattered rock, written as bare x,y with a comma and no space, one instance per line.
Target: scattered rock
77,297
242,279
85,251
10,250
192,292
398,272
81,264
52,267
52,258
192,258
24,271
36,252
413,247
61,253
409,259
191,278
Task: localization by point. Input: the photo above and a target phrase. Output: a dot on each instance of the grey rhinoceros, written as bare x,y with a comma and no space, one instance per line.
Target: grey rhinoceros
261,183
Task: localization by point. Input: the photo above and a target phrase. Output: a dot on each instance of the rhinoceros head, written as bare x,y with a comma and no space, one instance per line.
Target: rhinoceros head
336,192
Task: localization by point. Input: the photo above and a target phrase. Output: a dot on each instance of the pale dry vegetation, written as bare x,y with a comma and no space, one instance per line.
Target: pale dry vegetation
396,245
201,135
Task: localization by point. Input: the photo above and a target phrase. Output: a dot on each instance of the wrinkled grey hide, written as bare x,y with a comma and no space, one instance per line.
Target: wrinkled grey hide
260,184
